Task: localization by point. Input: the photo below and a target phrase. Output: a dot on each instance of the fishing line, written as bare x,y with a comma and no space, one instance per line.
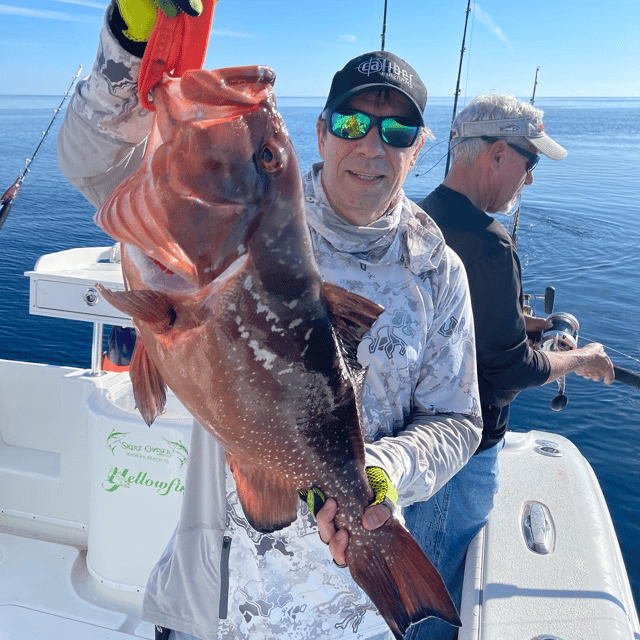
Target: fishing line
424,155
587,339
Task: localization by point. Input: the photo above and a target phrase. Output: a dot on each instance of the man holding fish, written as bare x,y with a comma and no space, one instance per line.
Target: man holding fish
317,328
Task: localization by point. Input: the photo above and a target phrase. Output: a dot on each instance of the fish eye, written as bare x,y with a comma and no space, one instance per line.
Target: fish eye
270,159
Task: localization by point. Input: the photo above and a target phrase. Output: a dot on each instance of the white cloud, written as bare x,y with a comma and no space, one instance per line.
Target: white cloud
33,13
230,34
86,3
338,42
487,20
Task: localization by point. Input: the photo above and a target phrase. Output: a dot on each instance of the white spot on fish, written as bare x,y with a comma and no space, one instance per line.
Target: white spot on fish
308,334
295,323
262,354
291,304
262,308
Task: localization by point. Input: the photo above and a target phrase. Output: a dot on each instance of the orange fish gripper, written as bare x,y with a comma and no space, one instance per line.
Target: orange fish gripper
176,45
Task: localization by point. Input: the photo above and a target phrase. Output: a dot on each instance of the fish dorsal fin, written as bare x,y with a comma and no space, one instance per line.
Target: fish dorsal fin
149,389
269,502
352,316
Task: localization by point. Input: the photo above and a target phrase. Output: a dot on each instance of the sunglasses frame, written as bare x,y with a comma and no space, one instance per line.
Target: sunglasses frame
328,114
531,157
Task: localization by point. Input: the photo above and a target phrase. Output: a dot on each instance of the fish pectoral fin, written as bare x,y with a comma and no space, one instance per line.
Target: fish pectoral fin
269,501
153,307
353,315
149,388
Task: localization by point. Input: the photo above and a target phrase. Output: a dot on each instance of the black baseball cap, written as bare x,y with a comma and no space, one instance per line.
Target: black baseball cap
377,69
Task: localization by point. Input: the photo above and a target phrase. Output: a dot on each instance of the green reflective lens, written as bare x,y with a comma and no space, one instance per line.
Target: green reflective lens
397,134
395,131
350,126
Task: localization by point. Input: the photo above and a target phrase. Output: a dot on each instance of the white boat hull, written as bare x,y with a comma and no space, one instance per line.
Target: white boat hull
574,586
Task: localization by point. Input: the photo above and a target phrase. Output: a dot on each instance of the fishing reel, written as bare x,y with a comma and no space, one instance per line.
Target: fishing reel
562,336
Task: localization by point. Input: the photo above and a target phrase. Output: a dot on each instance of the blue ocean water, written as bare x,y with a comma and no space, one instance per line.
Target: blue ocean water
579,232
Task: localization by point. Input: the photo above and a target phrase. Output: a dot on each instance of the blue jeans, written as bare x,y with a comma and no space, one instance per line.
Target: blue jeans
445,525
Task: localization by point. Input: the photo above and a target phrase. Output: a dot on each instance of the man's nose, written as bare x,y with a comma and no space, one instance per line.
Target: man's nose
529,179
371,145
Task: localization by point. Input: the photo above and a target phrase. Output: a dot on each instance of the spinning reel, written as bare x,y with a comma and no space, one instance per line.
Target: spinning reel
562,336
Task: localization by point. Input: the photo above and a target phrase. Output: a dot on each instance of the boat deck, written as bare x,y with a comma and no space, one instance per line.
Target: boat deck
47,592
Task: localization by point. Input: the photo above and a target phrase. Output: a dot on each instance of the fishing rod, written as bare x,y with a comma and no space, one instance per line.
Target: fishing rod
384,26
7,198
516,215
535,84
457,91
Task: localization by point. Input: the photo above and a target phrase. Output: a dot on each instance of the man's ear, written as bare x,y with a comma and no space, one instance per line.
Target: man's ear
322,132
416,151
497,154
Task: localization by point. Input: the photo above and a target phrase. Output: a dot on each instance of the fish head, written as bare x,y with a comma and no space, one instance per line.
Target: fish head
218,159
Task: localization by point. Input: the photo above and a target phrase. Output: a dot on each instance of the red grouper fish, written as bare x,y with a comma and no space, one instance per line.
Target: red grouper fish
232,315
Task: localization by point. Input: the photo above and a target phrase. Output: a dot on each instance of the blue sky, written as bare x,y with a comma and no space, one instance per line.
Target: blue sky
583,47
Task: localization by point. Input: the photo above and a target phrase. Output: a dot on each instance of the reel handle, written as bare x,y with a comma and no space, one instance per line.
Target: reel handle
549,300
627,377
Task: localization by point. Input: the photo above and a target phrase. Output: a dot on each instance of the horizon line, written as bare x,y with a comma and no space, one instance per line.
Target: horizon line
54,95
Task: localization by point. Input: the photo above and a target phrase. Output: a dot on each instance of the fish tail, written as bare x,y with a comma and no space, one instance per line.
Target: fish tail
400,580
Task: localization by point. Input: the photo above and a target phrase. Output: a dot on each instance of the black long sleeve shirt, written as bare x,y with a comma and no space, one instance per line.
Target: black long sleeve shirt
506,362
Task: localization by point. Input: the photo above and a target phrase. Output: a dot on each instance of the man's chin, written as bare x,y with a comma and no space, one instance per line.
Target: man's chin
508,207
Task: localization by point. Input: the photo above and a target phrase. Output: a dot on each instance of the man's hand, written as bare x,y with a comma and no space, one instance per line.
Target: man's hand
535,327
140,15
385,496
596,365
338,539
533,324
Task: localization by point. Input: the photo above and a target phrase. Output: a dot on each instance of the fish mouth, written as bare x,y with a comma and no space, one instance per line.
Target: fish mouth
157,276
208,98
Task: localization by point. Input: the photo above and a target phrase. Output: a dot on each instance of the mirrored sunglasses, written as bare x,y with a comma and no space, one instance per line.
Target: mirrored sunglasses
532,158
350,124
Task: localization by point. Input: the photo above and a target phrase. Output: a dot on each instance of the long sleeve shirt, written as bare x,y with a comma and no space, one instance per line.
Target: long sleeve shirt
506,362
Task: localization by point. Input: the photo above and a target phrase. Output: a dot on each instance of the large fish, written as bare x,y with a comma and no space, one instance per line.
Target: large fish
233,316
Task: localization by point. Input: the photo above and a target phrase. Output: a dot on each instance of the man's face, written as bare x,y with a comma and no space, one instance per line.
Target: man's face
514,178
362,178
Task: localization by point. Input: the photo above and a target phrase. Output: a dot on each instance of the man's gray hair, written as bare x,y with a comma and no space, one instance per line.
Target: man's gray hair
488,107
